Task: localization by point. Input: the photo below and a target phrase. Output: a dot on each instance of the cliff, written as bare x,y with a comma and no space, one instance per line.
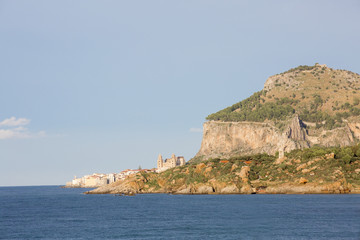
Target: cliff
226,139
303,107
299,134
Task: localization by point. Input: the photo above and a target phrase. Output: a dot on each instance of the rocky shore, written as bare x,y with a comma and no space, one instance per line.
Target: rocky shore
258,174
299,135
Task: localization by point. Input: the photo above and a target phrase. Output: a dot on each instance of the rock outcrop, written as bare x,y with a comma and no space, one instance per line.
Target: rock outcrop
297,109
271,120
226,139
293,175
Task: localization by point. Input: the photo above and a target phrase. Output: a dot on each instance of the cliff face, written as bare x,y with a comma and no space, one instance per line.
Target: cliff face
226,139
300,108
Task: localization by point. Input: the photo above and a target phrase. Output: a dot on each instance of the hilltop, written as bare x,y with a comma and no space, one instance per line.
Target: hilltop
316,93
303,107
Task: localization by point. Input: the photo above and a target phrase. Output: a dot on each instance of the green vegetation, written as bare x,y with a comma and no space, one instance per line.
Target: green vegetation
347,154
263,166
327,170
331,121
301,68
316,164
311,96
252,109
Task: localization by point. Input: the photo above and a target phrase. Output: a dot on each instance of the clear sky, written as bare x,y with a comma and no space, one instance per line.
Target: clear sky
102,86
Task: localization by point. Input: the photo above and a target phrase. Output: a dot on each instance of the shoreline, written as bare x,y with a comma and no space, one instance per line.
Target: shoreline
168,193
333,188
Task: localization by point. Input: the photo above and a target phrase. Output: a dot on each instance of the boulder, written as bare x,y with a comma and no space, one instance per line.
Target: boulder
184,190
233,167
204,189
244,172
199,167
247,189
229,189
303,180
330,156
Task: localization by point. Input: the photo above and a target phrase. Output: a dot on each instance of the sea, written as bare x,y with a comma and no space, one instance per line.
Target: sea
52,212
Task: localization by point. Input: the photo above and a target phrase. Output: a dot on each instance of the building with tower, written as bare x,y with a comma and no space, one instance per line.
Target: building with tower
174,161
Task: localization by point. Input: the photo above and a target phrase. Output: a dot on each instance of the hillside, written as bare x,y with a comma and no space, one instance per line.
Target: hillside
313,170
304,107
317,94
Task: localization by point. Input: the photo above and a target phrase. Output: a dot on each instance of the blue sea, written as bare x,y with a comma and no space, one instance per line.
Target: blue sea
51,212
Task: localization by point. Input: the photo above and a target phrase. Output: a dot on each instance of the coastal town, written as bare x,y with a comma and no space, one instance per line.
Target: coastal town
101,179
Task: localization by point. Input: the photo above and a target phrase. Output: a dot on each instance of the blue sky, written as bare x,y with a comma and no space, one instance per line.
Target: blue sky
101,86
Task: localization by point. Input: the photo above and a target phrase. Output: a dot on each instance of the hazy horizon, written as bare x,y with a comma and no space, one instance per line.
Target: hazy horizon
103,86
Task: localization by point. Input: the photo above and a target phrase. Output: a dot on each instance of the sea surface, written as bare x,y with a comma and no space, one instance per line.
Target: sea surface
51,212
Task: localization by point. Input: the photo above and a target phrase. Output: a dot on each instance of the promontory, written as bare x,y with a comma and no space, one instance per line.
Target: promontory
299,134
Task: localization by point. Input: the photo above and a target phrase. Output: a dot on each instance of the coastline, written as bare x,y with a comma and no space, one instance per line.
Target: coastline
207,189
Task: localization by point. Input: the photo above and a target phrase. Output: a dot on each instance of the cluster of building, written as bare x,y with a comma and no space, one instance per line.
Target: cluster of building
100,179
172,162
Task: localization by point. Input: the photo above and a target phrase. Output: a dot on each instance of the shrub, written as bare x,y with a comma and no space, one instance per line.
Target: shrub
252,109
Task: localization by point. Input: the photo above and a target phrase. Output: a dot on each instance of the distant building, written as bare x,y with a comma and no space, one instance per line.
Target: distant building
94,180
169,163
76,181
100,179
111,177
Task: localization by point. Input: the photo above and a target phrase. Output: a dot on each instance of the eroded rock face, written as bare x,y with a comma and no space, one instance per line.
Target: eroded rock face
355,129
203,189
301,188
244,173
241,137
226,139
287,79
296,130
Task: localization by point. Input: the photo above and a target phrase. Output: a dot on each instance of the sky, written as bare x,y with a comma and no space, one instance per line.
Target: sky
102,86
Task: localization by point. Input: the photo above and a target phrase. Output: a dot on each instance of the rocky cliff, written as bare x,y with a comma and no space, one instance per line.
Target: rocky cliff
226,139
310,115
303,107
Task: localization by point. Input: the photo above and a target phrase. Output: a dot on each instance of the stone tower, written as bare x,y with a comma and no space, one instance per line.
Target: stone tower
160,162
173,160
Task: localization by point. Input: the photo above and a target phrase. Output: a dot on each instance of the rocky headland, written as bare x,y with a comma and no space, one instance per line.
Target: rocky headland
303,107
313,170
299,134
226,139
